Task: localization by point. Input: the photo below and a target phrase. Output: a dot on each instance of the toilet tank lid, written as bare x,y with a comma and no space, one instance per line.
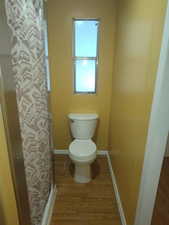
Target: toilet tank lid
82,116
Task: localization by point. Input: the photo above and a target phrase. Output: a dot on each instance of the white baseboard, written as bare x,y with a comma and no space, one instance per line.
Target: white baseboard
60,151
65,152
117,195
49,207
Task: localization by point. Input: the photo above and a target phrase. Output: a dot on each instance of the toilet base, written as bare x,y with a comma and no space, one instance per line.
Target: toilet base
82,173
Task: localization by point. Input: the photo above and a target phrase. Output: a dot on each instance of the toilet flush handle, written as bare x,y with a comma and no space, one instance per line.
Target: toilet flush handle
72,121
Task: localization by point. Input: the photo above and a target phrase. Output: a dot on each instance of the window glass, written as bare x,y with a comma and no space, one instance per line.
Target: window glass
86,38
85,75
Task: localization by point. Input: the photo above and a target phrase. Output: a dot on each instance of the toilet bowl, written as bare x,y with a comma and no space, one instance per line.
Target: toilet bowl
82,150
82,153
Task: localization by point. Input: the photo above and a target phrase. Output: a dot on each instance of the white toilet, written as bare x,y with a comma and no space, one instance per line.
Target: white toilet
82,150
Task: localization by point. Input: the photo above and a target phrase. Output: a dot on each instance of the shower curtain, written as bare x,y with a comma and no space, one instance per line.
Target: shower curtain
25,19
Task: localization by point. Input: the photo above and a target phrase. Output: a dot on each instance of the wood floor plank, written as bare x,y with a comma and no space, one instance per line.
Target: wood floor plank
161,210
84,204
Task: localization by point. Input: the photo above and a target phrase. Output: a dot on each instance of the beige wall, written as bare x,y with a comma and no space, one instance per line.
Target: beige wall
139,31
8,209
63,101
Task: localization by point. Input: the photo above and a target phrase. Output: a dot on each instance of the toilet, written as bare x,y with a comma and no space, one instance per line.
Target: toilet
82,150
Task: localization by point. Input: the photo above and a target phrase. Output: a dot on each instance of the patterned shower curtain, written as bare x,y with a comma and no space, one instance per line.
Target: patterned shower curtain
25,19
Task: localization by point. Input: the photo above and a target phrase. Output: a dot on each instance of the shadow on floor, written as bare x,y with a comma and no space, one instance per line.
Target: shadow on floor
95,169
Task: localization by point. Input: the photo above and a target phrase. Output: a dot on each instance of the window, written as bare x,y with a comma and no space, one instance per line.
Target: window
85,57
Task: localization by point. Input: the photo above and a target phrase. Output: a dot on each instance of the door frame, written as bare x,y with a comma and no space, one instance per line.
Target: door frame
157,135
14,147
10,116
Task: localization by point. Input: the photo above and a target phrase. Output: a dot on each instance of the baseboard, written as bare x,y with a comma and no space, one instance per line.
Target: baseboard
117,195
60,151
65,152
49,207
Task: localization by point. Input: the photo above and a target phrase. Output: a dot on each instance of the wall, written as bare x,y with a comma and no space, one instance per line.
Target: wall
139,32
7,195
63,101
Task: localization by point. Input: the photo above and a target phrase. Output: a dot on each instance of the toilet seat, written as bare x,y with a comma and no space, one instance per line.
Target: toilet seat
82,150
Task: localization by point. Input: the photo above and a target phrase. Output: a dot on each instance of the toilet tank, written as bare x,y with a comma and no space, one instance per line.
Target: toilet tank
83,125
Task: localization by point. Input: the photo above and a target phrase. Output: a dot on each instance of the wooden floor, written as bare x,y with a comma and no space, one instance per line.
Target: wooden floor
161,210
84,204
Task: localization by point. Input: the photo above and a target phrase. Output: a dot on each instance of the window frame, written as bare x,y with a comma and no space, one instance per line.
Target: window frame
75,58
